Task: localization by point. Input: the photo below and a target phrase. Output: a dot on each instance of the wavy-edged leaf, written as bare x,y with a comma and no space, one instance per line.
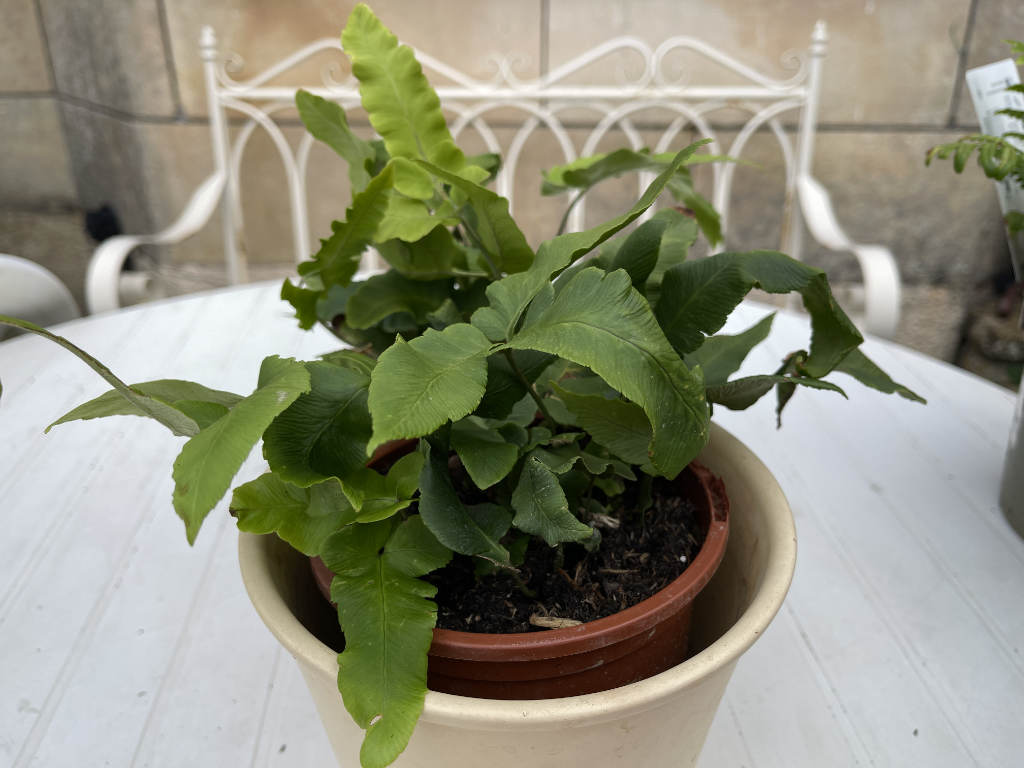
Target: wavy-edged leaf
562,458
430,258
410,220
860,367
181,395
172,418
324,432
619,425
448,518
697,297
391,292
349,358
490,162
599,320
411,180
304,301
541,507
556,254
509,297
209,460
377,497
326,121
388,619
721,356
492,225
485,454
399,100
419,385
742,393
338,257
304,517
585,172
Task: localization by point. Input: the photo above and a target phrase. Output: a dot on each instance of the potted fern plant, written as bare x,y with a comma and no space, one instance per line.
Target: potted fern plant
528,417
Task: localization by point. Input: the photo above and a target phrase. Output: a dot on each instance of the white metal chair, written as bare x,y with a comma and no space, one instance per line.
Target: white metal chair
32,292
543,103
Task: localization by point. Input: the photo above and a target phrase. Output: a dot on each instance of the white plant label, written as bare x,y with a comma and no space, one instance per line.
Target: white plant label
988,85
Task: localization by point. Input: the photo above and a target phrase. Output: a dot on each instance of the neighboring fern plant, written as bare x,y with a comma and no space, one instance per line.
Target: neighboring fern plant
555,381
999,157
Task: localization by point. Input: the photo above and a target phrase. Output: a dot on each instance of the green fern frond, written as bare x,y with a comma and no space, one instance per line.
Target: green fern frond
997,157
1017,113
1017,49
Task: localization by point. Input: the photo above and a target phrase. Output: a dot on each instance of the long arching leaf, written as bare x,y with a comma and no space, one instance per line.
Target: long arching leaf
326,121
402,105
697,297
510,296
173,418
208,462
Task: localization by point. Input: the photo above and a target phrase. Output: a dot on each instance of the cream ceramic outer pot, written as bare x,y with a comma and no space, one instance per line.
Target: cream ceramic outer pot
660,721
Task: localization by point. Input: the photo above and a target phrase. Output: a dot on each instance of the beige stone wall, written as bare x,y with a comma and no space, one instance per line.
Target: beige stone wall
102,101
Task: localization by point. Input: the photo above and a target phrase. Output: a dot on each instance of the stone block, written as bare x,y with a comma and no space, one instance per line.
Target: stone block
23,65
887,63
34,167
106,155
166,162
462,33
994,21
932,320
111,53
55,239
942,227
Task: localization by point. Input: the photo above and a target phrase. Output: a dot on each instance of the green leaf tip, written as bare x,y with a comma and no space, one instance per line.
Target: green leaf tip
208,461
174,419
399,100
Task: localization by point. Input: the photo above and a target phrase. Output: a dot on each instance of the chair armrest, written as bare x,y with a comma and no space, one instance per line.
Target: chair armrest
103,278
882,288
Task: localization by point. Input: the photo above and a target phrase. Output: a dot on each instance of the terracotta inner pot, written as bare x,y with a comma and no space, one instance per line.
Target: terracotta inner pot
634,644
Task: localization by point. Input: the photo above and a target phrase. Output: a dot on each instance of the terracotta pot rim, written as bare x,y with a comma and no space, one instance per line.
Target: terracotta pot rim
726,456
616,627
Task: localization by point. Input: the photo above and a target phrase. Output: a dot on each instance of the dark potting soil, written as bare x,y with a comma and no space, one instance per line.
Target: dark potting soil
643,555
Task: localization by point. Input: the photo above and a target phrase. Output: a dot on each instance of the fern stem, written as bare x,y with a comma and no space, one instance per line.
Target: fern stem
529,387
565,217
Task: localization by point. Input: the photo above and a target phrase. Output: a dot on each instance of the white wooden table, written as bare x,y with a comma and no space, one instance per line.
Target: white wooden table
900,644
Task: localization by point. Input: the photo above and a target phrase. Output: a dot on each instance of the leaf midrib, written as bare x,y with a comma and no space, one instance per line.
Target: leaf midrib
308,449
665,374
681,309
385,634
432,381
396,98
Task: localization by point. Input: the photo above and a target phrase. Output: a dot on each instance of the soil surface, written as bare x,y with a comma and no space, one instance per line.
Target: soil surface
639,557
